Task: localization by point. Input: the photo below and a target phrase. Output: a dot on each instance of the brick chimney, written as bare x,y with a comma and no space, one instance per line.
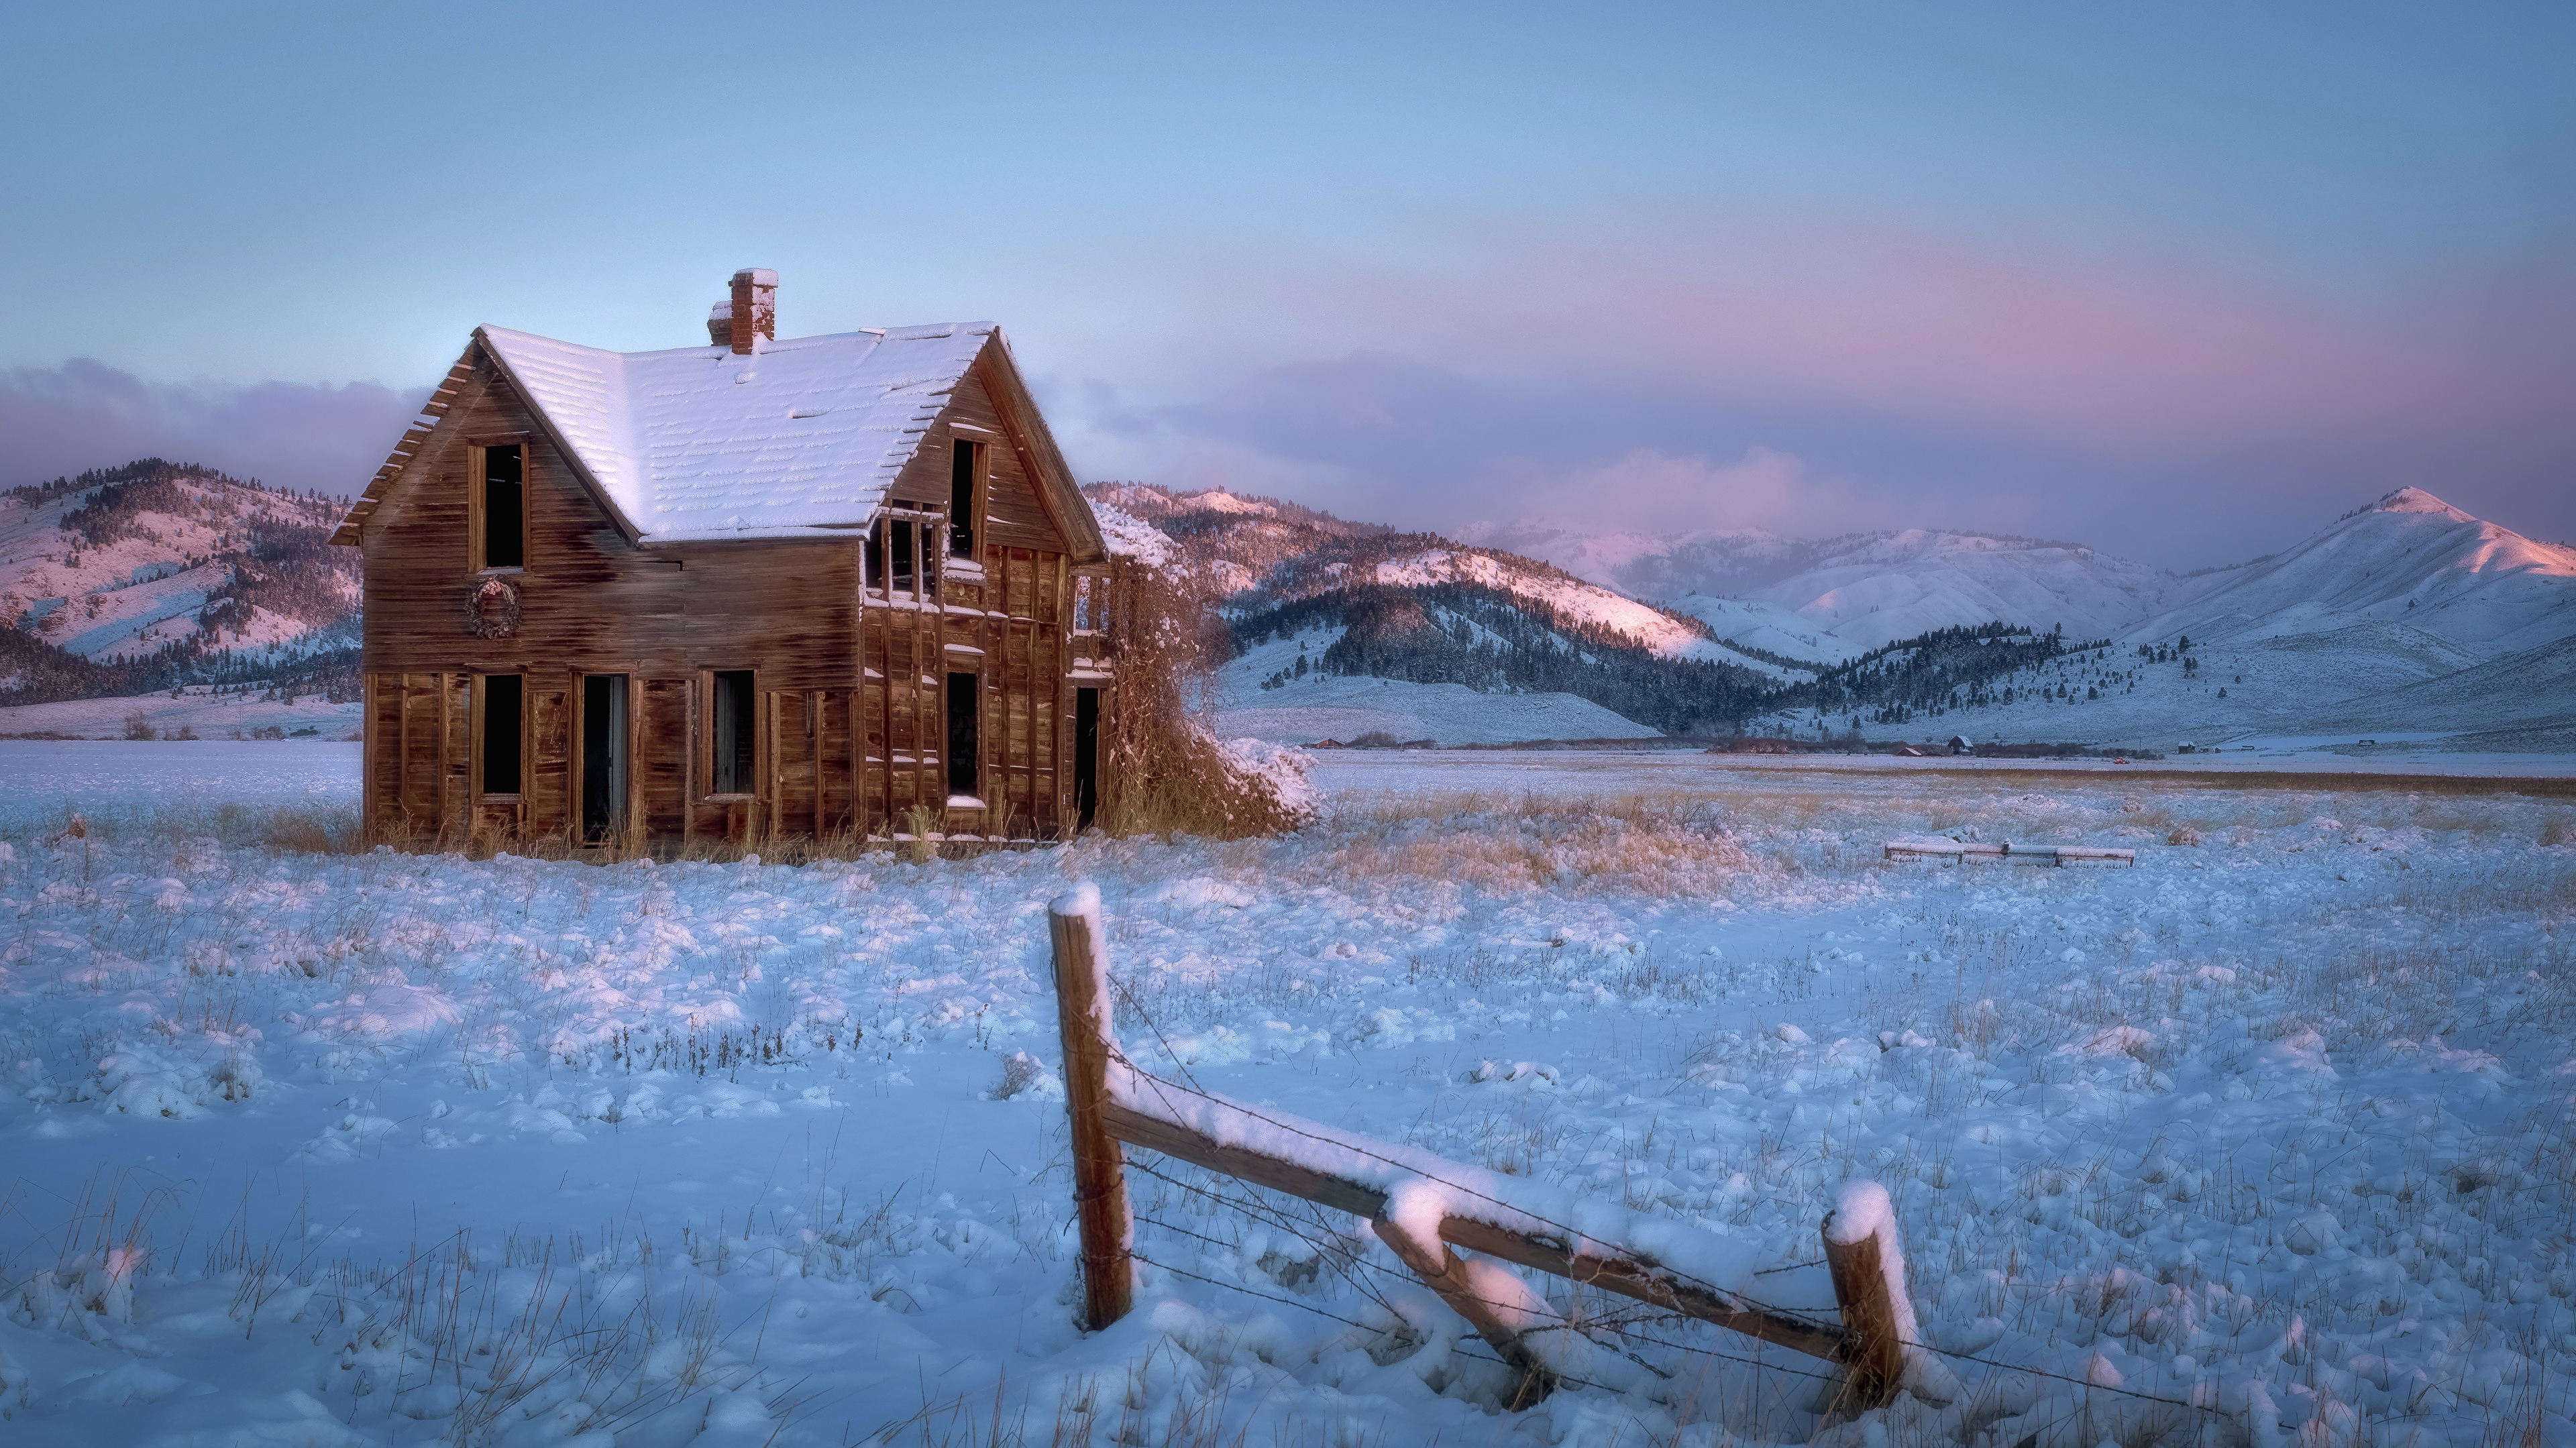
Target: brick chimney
720,324
753,312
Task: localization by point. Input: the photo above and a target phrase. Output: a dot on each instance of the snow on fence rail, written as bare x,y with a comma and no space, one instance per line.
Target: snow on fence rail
1423,1205
1950,852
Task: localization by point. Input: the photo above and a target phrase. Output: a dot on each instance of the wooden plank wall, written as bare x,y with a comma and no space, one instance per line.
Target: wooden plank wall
852,686
1010,626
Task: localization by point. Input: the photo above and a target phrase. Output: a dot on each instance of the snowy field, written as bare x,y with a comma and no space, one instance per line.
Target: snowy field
2269,1142
213,716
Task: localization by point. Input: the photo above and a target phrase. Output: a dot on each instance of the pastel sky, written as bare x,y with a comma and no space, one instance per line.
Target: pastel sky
2182,281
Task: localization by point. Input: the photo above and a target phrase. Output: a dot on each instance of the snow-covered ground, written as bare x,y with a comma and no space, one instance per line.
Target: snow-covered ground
2270,1140
197,707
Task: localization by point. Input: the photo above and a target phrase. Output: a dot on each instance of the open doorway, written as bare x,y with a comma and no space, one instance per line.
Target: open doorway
603,756
1086,757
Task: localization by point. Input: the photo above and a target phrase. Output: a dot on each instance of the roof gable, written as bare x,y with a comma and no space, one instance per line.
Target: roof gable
699,443
1057,489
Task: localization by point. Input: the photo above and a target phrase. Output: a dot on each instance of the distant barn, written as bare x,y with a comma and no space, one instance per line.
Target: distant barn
757,588
1962,744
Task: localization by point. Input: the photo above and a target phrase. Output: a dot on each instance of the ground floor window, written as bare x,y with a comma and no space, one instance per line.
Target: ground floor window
732,735
964,701
499,703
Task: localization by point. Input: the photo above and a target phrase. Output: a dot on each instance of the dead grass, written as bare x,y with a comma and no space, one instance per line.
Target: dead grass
1677,844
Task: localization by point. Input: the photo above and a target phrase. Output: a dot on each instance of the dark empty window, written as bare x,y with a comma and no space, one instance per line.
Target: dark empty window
962,703
734,704
500,701
897,538
505,508
961,499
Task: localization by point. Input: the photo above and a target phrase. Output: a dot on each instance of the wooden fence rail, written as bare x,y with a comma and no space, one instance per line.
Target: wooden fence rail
1953,852
1111,1103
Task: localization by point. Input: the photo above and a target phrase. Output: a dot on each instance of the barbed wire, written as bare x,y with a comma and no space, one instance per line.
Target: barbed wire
1337,1317
1572,1236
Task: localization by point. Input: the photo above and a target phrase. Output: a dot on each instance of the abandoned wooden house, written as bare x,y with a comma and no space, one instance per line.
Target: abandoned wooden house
740,591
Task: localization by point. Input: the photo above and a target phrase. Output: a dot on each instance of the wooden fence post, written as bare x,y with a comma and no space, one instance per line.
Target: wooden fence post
1868,1268
1099,1163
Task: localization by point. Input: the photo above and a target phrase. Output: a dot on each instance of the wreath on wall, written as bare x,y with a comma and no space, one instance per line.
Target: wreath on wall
492,609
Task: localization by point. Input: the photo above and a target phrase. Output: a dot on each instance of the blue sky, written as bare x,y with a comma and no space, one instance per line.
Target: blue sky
2182,281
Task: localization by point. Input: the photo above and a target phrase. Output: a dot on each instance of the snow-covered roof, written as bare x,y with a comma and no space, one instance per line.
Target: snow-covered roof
698,443
1129,536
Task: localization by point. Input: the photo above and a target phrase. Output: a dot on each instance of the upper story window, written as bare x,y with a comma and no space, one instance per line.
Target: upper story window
890,552
497,507
965,489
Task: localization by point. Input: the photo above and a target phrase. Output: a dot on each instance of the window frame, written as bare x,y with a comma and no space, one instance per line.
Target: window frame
708,793
478,710
979,488
948,757
477,542
877,570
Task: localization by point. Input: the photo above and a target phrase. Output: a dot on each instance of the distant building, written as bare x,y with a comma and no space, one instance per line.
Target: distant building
1961,744
1757,746
736,591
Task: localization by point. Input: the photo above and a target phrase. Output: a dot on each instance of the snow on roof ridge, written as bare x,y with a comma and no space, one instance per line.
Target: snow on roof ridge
699,443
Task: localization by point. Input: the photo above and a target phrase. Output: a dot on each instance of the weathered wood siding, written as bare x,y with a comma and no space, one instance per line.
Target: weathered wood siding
851,684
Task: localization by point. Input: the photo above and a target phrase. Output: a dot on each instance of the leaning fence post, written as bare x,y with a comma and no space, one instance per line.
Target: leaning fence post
1099,1163
1868,1268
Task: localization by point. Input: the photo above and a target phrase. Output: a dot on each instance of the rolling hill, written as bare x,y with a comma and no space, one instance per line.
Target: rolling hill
156,574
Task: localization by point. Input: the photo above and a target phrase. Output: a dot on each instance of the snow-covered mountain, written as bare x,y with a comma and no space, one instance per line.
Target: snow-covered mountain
142,577
1459,642
2405,616
1755,623
2410,560
1877,589
1860,591
1717,563
2408,617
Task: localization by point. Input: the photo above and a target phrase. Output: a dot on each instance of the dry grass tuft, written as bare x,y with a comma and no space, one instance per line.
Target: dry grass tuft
2183,835
2558,830
1677,844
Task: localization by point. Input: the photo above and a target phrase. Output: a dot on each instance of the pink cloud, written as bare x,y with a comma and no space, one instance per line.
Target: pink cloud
1764,489
85,414
2135,353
